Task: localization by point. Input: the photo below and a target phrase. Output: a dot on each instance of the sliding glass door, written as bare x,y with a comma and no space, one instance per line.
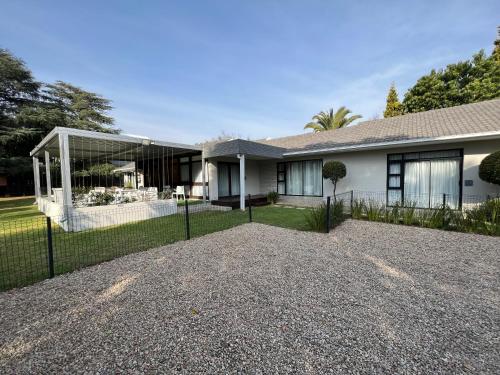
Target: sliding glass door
228,179
235,179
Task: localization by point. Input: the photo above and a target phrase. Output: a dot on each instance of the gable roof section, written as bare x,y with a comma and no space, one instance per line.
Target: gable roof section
460,122
241,146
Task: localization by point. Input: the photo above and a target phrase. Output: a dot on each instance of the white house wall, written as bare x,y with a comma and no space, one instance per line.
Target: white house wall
252,181
267,176
474,153
367,170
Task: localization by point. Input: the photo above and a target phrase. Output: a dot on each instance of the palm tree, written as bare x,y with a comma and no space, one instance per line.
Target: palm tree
329,120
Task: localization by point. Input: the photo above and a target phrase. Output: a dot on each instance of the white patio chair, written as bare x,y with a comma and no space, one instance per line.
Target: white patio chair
179,190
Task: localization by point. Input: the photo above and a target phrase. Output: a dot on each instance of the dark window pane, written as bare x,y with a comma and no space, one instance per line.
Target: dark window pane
394,181
395,168
396,157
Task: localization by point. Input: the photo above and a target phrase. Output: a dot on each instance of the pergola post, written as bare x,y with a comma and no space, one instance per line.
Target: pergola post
47,175
242,181
203,177
65,171
36,175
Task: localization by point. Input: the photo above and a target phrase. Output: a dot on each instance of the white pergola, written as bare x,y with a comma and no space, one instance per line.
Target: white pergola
69,144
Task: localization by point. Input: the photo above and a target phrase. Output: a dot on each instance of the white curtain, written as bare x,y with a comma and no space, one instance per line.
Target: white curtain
426,181
312,177
445,179
223,179
416,183
235,179
294,178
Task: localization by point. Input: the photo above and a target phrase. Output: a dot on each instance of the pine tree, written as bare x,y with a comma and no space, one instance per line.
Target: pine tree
496,50
393,106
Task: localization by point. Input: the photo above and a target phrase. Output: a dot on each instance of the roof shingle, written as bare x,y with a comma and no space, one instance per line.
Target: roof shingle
466,119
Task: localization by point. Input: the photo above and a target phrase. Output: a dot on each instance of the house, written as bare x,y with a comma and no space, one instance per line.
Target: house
417,157
422,157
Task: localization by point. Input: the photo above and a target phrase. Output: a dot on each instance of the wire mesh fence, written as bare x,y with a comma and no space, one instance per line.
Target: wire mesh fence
38,248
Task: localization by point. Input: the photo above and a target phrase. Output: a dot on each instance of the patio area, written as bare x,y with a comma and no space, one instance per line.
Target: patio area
367,298
76,172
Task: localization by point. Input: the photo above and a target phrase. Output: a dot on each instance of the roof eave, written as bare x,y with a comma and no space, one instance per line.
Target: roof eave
107,136
394,144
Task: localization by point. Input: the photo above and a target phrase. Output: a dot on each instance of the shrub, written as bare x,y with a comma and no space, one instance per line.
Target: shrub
358,207
374,210
334,170
166,194
102,199
272,197
436,218
489,169
483,219
409,214
337,213
316,217
393,215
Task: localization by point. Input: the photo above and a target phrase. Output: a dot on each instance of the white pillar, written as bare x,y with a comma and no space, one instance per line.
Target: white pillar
36,175
203,177
47,175
242,181
65,171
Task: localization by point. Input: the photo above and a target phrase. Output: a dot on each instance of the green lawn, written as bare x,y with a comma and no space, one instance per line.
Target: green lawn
23,238
18,208
281,216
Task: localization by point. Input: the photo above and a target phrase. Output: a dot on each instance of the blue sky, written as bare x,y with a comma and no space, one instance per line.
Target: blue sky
187,71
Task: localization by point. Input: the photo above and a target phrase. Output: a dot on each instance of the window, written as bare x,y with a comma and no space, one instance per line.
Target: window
423,178
184,172
300,178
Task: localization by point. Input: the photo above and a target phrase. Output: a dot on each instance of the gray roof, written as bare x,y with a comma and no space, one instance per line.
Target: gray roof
241,146
469,119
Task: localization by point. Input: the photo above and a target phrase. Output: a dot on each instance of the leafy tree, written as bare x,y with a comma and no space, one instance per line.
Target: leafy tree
29,110
18,92
78,108
334,170
496,50
329,120
393,106
465,82
18,88
489,169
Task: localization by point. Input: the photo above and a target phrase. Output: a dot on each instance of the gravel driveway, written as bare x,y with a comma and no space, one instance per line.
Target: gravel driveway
369,298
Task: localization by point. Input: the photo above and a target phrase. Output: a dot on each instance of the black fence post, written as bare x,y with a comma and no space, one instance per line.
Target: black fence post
327,219
352,201
249,208
444,210
186,211
50,250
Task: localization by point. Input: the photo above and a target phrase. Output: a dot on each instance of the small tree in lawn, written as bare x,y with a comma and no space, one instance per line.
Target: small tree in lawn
489,169
334,170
